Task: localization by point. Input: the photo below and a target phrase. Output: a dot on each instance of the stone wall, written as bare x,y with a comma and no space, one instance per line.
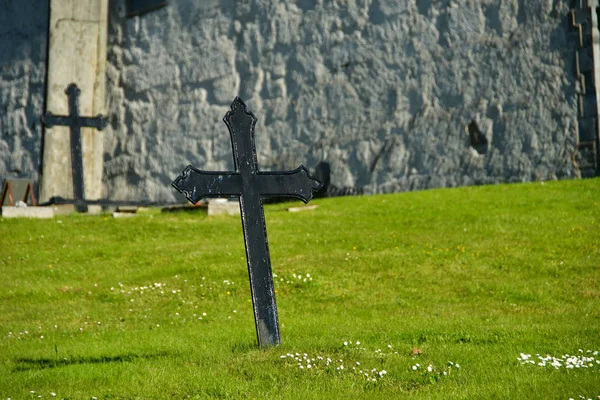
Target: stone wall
23,48
393,95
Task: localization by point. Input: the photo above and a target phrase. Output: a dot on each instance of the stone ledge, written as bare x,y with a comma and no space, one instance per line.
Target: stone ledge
27,212
223,207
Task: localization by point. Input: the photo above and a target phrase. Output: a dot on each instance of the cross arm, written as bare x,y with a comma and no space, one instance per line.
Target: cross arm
49,120
297,183
196,184
99,122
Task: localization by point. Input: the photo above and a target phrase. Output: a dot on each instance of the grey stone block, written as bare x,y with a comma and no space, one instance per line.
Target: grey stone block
27,212
223,207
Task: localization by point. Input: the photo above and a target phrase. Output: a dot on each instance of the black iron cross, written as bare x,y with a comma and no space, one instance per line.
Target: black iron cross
250,186
76,122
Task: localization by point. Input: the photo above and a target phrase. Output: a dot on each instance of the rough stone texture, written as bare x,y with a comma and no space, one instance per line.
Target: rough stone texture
394,95
23,41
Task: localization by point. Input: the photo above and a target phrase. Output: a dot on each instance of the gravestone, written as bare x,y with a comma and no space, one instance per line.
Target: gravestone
250,185
75,122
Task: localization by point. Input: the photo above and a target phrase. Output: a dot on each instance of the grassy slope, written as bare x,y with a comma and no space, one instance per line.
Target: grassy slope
469,275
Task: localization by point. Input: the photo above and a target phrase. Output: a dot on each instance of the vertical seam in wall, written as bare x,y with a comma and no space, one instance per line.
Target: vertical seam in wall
596,57
44,102
98,51
589,15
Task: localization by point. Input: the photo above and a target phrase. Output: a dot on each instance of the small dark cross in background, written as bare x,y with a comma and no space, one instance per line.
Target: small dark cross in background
75,122
250,186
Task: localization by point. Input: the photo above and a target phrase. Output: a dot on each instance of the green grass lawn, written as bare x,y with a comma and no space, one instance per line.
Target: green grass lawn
441,289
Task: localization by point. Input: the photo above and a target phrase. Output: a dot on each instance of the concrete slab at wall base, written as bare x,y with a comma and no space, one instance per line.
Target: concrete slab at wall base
123,214
66,209
223,207
126,211
302,208
27,212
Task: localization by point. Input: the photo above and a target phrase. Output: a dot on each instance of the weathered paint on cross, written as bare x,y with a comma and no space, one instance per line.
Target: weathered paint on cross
250,185
75,122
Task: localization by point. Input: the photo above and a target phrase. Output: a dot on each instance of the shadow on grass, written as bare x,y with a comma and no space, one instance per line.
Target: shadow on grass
27,364
243,347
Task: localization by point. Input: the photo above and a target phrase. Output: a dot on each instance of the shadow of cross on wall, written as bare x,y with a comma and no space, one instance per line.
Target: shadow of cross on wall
250,185
75,122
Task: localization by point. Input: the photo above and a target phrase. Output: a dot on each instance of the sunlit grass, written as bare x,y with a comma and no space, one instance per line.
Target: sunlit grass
444,290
